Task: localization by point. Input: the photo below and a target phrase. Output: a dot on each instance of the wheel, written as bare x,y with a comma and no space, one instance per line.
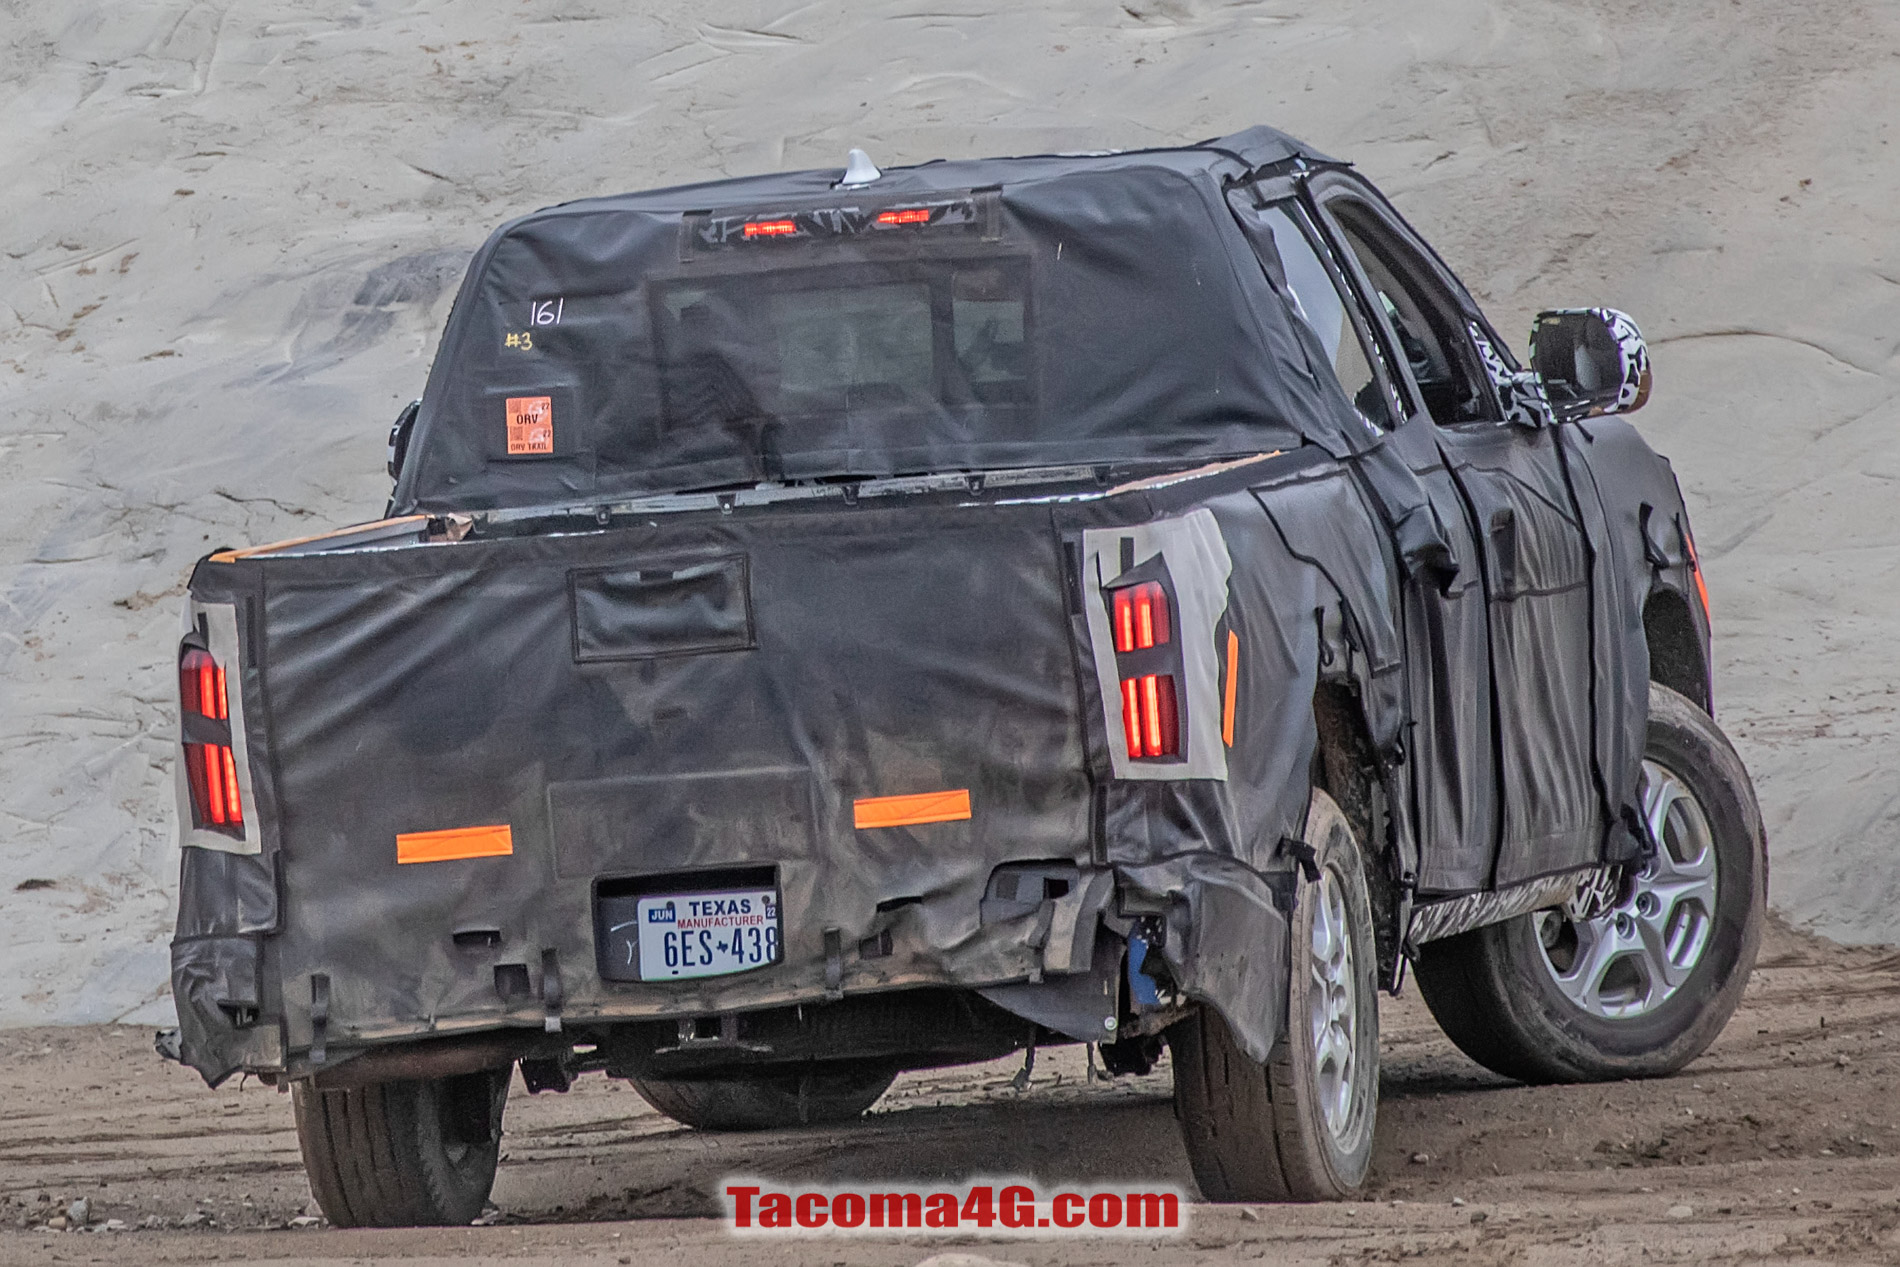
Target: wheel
814,1095
401,1154
1298,1128
1642,984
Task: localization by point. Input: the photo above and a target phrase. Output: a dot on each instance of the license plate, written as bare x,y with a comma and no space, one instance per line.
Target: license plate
706,934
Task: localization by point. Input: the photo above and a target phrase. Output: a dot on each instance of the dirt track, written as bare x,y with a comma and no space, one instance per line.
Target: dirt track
230,234
1782,1142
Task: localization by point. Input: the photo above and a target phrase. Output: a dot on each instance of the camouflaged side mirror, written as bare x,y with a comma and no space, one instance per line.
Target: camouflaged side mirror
1591,361
399,438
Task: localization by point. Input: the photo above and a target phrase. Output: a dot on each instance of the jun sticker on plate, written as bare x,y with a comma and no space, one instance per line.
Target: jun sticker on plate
707,934
530,425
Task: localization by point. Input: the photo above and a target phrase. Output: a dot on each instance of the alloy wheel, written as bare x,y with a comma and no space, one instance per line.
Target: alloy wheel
1628,960
1332,1003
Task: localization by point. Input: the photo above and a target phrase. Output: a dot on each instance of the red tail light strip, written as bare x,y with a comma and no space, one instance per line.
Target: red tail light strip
1141,617
1150,715
771,228
214,777
1142,622
1131,715
910,215
233,803
210,768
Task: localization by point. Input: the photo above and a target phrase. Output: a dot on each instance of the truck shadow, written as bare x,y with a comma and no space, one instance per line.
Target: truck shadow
600,1153
941,1126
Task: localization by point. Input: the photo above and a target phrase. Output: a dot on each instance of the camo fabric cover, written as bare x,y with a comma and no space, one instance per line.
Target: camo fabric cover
1520,394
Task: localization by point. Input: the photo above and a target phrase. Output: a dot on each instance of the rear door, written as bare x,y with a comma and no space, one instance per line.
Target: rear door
1535,554
1446,631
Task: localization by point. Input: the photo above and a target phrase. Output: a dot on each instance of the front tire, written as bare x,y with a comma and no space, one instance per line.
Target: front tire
818,1095
1298,1128
1641,988
403,1154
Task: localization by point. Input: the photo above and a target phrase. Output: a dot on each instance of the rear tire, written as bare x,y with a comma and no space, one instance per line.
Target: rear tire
815,1095
403,1154
1298,1128
1643,988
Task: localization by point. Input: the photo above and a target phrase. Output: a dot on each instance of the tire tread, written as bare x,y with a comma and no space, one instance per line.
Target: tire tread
1492,1007
370,1164
1246,1127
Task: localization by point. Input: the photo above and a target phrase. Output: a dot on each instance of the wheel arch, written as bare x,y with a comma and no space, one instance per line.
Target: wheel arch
1347,768
1676,658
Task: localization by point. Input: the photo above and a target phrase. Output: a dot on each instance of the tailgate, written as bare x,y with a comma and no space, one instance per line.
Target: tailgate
461,741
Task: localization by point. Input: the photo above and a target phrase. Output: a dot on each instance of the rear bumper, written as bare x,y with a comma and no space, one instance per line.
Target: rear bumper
1050,951
1045,939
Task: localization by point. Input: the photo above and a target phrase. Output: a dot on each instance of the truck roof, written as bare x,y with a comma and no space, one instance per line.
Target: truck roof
1226,156
967,315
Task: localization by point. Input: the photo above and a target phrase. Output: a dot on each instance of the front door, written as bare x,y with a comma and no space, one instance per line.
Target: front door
1516,494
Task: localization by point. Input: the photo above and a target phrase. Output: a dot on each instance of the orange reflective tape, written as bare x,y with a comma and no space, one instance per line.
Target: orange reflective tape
1233,681
456,842
1695,570
908,811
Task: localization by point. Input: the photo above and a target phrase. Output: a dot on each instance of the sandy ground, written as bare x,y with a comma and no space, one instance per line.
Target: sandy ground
229,233
1783,1142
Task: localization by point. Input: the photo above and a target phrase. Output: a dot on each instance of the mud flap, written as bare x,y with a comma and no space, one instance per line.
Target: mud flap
1084,1006
227,902
215,981
1227,944
1079,993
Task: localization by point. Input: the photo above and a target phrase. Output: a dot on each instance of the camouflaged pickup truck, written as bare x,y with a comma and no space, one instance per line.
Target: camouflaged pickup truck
842,622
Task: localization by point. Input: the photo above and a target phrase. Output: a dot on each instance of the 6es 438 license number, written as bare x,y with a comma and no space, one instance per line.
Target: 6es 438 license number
707,934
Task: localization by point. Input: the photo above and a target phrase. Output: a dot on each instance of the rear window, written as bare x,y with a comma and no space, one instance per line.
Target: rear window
799,348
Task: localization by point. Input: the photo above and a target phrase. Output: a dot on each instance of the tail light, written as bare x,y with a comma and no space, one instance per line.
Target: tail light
1141,617
1149,713
1148,661
908,215
210,765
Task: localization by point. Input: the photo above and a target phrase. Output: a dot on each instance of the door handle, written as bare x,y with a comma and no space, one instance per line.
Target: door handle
1504,547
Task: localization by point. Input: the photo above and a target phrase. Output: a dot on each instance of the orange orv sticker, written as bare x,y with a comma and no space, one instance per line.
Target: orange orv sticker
530,425
456,842
908,811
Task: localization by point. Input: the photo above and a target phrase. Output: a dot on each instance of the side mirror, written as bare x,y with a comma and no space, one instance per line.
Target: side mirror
1591,361
399,438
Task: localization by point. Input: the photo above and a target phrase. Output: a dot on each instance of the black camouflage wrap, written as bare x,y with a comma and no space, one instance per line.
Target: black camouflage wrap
845,640
1147,341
